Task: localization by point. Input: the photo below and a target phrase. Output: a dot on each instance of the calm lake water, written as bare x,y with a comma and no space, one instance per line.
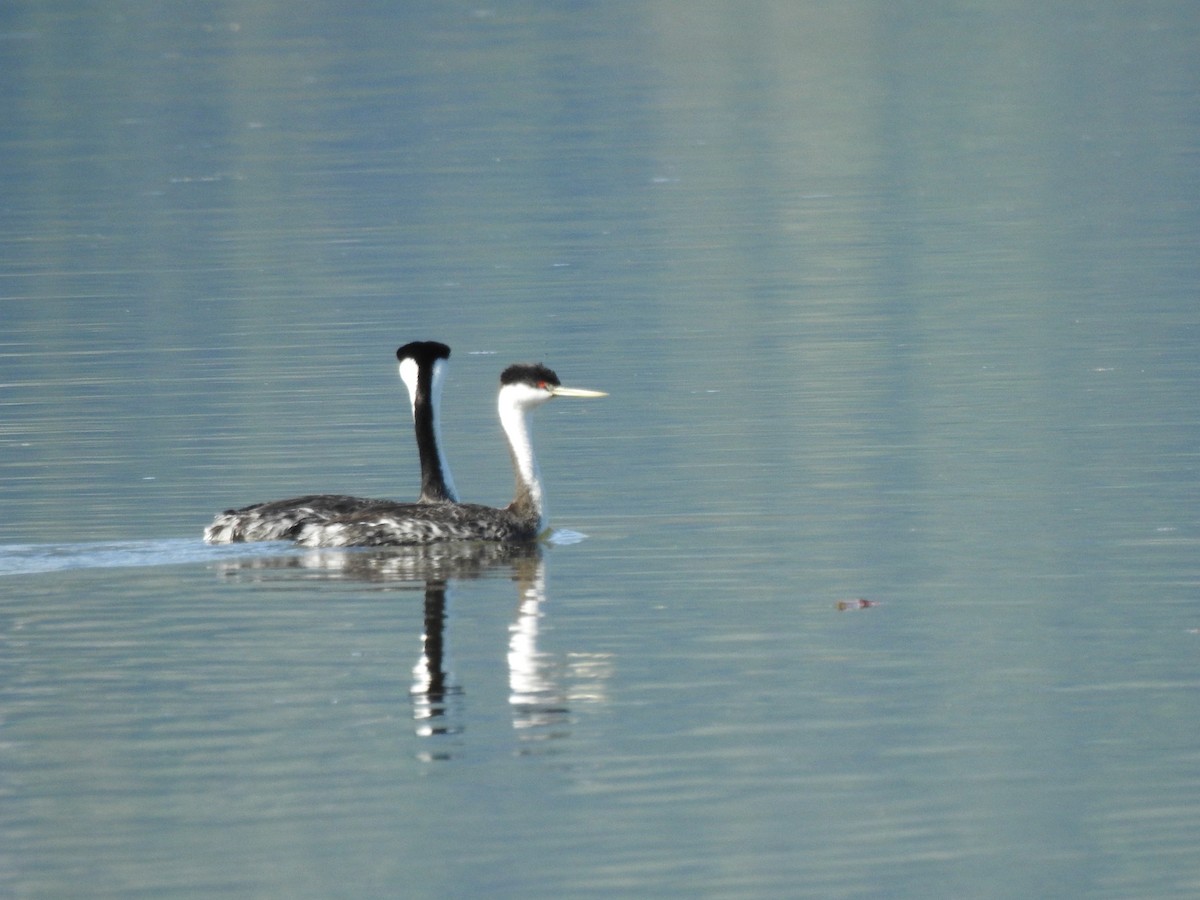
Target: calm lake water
895,302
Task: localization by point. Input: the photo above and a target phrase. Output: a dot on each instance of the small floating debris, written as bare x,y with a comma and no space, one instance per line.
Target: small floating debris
856,603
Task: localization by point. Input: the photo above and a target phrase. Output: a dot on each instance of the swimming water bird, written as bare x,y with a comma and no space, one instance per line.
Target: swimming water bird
423,370
523,388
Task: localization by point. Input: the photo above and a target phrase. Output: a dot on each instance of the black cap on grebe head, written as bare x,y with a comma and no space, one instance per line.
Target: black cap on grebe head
532,374
423,353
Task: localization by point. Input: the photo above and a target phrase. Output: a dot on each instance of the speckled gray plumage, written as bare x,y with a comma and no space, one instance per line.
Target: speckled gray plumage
406,524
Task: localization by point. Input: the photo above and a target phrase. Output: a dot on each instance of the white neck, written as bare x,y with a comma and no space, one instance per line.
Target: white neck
408,374
514,404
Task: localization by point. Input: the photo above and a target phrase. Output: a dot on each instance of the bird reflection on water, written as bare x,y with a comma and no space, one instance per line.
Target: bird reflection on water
545,688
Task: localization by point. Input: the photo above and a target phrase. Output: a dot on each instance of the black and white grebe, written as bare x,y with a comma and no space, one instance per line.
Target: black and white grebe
423,370
523,388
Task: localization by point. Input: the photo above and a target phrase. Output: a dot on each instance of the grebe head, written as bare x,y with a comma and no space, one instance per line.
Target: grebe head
526,386
423,351
523,388
418,355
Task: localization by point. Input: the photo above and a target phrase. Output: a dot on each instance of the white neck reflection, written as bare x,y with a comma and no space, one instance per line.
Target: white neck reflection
546,688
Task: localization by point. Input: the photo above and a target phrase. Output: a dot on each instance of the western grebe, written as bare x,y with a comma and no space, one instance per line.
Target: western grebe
423,370
523,388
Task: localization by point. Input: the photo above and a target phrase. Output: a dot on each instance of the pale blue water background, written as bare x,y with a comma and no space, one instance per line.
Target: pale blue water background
894,301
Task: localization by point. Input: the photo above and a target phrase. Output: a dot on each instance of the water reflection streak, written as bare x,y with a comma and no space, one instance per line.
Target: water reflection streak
545,686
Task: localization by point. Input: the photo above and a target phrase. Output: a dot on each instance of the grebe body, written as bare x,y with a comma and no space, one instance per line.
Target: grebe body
423,369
